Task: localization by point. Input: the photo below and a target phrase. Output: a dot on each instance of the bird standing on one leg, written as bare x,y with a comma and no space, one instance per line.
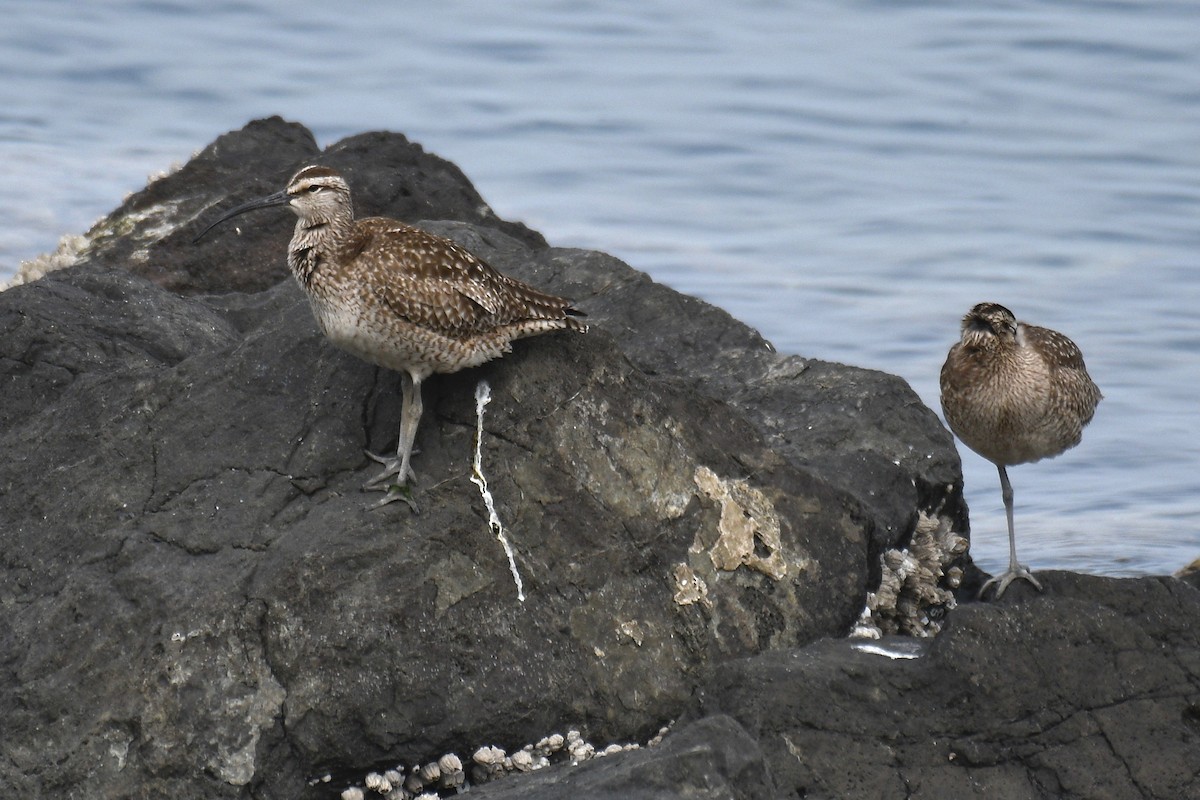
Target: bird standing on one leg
1015,393
402,298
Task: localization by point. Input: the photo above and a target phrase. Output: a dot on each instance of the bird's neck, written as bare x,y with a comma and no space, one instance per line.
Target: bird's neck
317,242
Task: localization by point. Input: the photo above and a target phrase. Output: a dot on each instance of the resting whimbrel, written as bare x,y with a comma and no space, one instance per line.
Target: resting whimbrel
402,298
1015,393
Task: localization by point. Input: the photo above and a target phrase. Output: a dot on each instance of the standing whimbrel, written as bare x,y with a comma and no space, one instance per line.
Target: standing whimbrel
1015,393
402,298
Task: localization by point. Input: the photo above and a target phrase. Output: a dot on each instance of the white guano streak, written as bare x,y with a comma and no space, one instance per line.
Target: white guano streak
483,396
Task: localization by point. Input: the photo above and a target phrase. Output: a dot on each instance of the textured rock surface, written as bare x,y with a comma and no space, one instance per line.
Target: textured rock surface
863,430
193,574
1089,690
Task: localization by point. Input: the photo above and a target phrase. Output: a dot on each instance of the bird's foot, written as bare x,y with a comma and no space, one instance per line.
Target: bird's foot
397,492
394,480
1002,580
393,467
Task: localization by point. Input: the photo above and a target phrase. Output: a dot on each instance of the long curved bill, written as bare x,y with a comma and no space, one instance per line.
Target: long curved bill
278,199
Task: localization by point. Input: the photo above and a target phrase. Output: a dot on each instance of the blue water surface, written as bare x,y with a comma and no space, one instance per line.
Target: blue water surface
847,177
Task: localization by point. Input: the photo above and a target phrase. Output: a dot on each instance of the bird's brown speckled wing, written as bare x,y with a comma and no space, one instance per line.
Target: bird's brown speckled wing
1071,388
1057,349
437,284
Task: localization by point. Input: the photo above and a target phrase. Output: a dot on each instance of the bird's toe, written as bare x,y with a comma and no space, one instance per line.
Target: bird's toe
394,493
395,473
1004,579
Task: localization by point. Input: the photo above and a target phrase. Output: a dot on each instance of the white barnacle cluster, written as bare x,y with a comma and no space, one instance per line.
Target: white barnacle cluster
428,782
447,776
662,734
71,249
492,762
917,583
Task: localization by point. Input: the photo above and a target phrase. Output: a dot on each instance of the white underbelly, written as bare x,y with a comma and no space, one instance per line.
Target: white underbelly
397,344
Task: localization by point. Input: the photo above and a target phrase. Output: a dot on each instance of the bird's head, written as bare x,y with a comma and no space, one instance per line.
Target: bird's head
316,194
988,324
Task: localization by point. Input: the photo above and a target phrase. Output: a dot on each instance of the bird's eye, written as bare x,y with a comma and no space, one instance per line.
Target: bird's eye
314,189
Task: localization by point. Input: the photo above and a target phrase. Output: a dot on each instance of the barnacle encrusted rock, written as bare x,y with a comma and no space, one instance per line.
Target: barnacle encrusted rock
489,763
71,248
917,584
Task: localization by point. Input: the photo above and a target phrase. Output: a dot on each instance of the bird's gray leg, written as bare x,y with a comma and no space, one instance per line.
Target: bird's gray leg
398,471
1015,569
410,416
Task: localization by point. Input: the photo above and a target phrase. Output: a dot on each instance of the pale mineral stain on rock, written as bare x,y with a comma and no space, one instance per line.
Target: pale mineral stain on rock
226,737
632,631
457,578
743,547
689,587
746,515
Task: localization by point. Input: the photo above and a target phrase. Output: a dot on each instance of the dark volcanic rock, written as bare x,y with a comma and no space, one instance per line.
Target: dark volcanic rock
198,602
1089,690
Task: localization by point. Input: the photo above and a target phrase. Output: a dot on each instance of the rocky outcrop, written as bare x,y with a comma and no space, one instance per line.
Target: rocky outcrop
198,601
1091,689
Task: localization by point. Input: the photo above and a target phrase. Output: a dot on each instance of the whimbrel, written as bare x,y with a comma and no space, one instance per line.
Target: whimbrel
402,298
1015,393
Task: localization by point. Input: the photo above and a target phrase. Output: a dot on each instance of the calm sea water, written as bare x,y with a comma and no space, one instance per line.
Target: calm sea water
848,177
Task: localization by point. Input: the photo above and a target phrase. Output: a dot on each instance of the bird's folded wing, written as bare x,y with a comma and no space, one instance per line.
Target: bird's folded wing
443,286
